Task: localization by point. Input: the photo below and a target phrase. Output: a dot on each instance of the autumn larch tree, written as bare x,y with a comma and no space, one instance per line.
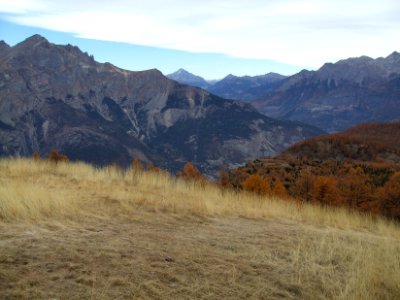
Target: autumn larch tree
223,179
356,188
190,172
324,190
303,185
390,197
255,183
278,189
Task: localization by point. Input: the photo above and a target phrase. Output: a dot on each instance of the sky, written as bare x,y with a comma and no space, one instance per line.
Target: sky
211,38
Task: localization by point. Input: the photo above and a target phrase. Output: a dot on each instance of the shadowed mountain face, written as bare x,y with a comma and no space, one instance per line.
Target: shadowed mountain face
58,97
339,95
245,88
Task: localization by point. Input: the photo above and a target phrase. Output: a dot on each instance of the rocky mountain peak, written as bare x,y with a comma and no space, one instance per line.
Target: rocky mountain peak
34,40
4,45
356,60
39,52
182,72
273,75
230,77
185,77
393,58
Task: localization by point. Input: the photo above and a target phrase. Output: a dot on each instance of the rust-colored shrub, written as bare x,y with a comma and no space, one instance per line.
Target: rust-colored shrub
36,156
278,189
56,157
190,172
137,165
255,183
150,166
223,178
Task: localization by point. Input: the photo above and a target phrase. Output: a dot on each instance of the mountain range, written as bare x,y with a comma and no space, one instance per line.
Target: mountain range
54,96
339,96
334,98
244,88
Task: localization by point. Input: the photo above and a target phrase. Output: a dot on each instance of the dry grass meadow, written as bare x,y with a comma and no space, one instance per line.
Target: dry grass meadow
71,231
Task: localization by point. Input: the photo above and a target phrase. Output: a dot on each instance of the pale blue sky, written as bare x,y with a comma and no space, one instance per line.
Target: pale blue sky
211,37
136,58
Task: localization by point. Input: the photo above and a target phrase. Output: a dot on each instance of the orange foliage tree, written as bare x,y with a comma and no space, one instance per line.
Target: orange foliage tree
356,187
190,172
255,183
223,180
390,197
324,190
303,185
278,189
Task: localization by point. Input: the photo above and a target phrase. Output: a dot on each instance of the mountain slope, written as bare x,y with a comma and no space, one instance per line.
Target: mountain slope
185,77
375,142
245,88
58,97
339,95
358,168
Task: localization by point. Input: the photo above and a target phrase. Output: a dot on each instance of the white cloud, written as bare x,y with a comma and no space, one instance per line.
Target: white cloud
21,6
299,32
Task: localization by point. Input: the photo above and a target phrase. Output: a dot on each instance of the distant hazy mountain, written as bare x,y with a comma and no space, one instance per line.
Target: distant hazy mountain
245,88
184,77
54,96
339,95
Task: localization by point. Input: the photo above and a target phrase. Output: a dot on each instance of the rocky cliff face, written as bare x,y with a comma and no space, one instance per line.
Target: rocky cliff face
339,95
55,96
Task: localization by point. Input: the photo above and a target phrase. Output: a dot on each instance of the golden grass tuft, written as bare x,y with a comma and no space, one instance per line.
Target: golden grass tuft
33,189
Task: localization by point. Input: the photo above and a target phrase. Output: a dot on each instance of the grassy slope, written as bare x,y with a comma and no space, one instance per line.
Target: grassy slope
69,231
365,142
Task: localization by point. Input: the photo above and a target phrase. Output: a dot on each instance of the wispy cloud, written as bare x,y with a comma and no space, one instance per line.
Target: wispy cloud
299,32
